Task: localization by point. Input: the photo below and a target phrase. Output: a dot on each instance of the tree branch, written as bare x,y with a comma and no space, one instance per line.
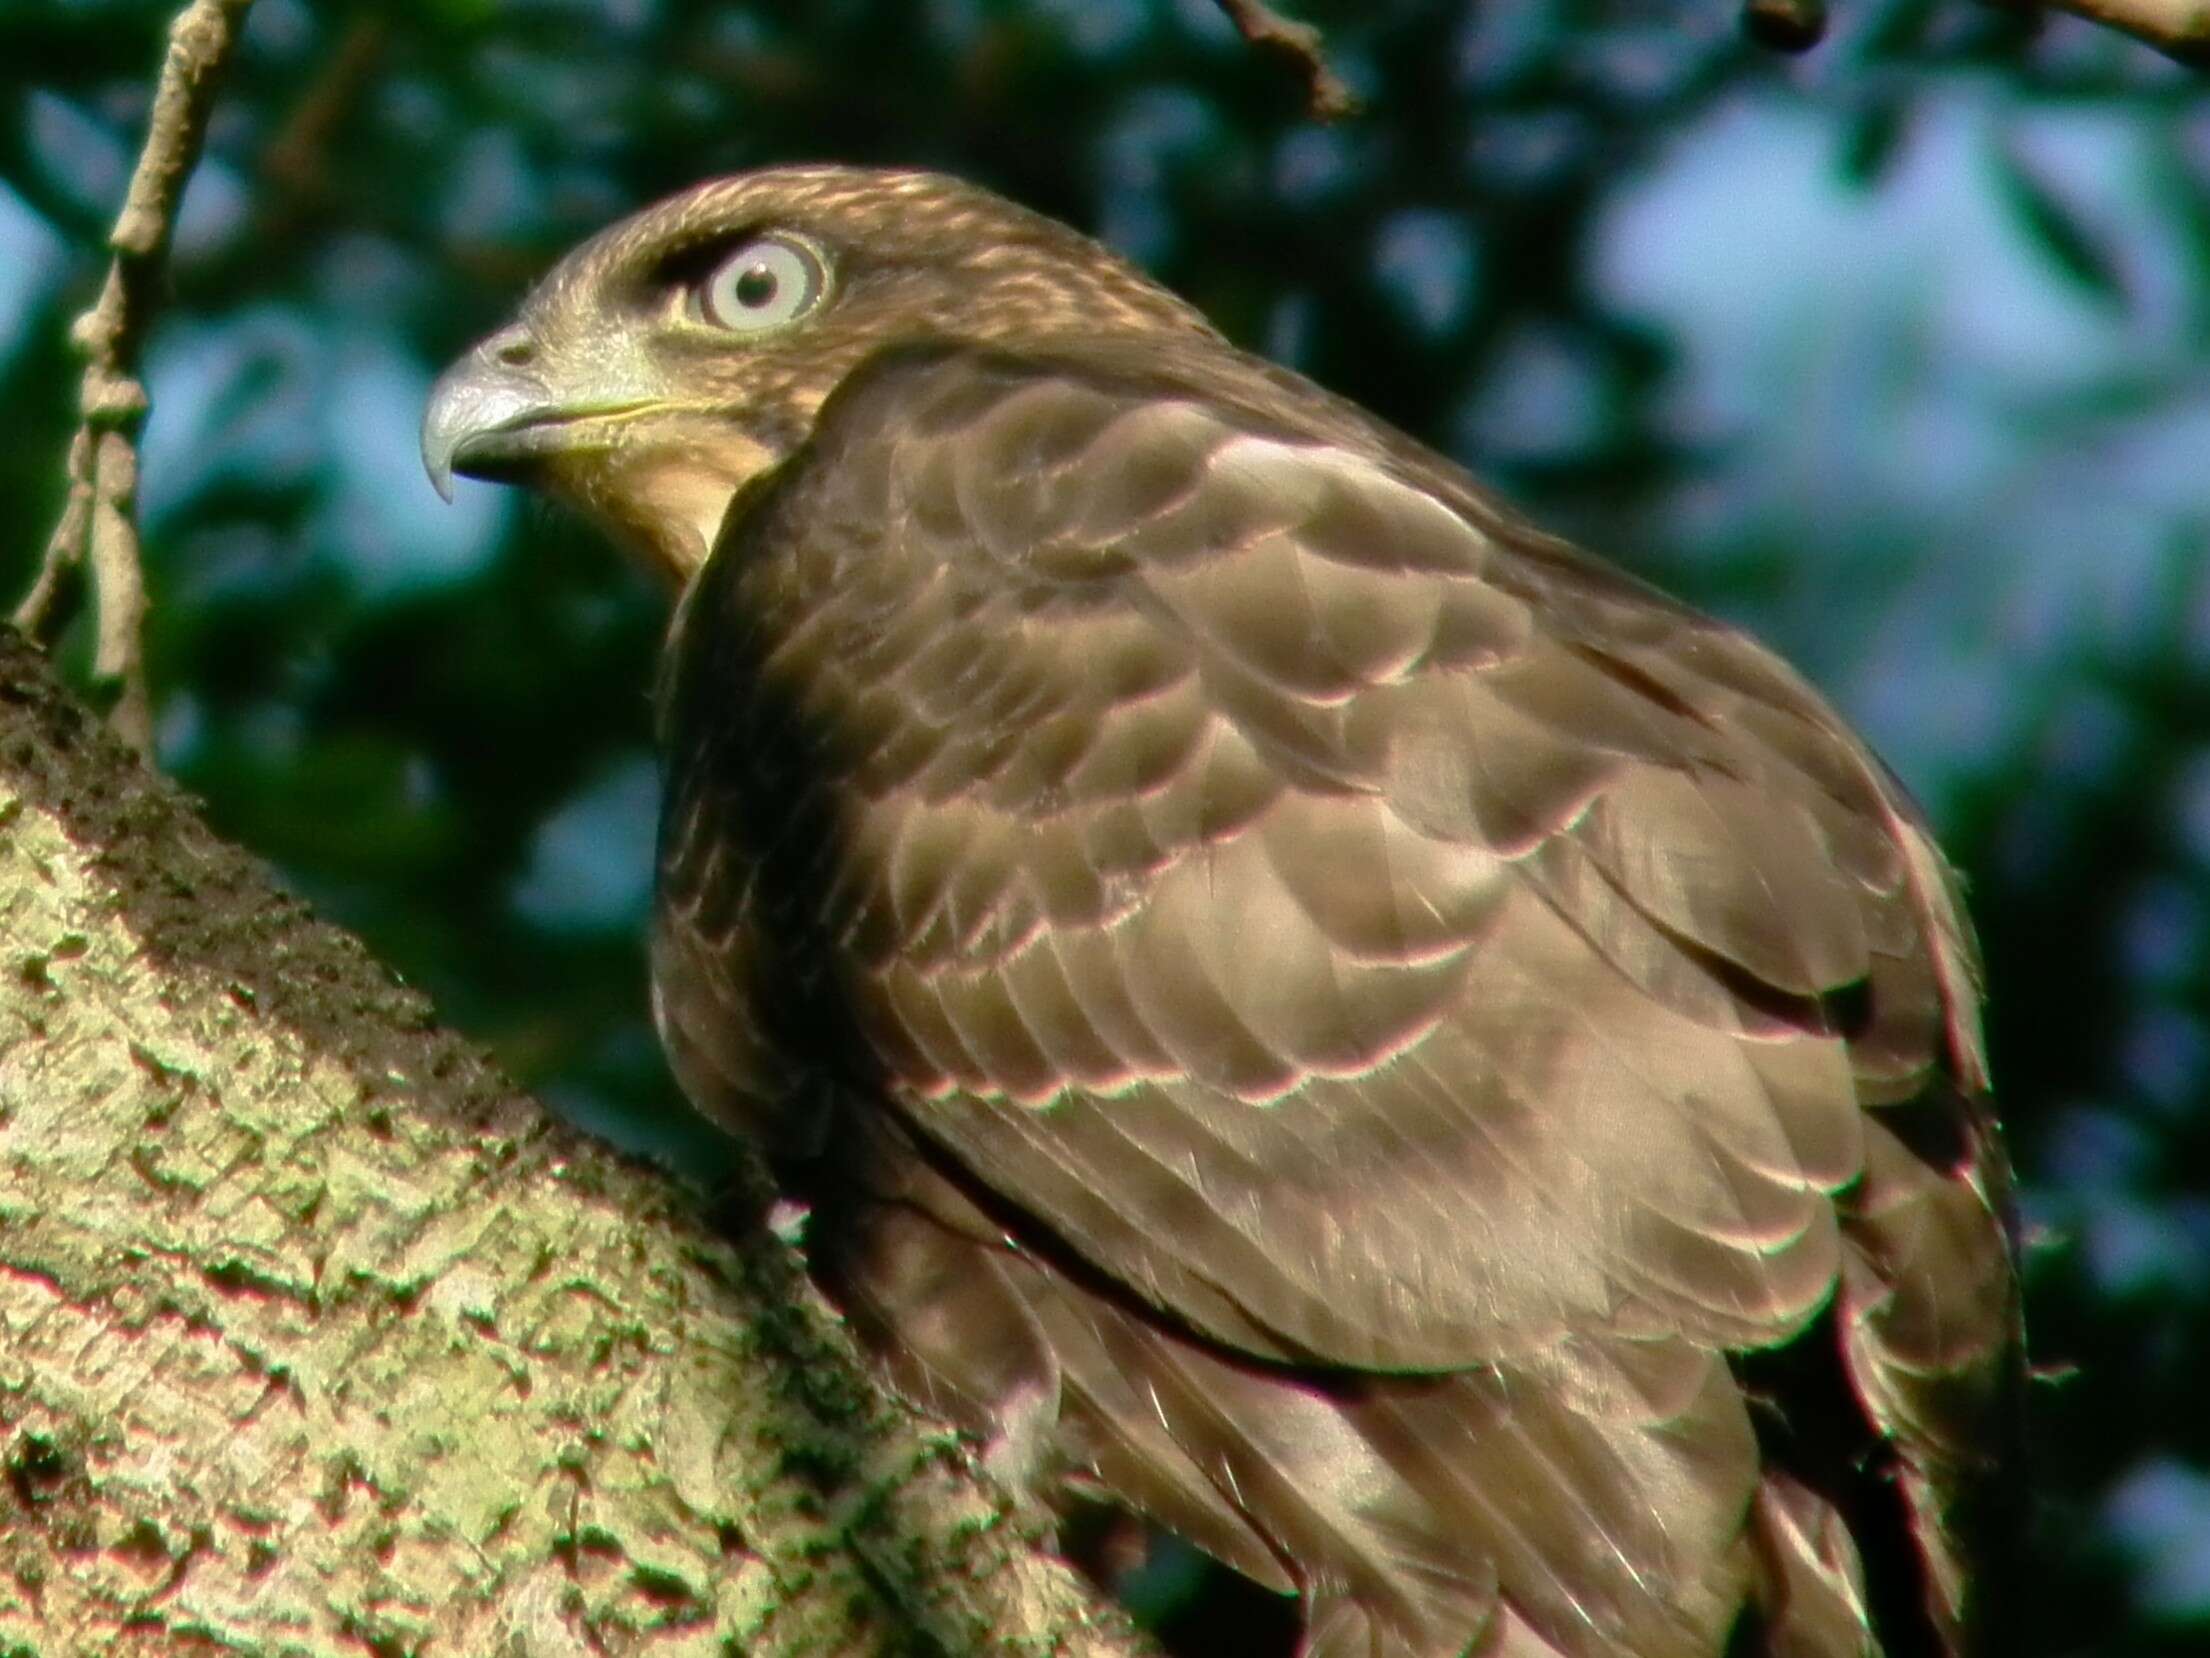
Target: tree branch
98,525
319,1337
1327,98
2180,29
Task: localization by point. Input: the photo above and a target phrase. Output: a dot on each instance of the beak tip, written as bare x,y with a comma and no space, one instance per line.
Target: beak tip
443,423
474,399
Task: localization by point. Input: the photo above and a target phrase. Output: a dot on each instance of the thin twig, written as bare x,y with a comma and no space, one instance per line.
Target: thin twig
296,160
99,526
1326,96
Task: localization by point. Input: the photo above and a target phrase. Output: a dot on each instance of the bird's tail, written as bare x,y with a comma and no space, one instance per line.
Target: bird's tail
1604,1498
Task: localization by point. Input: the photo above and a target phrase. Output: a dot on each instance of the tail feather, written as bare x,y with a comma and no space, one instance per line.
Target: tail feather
1609,1487
1285,1456
1932,1339
1609,1499
1811,1585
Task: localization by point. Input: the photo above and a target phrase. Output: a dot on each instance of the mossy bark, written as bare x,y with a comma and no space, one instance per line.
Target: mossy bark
316,1336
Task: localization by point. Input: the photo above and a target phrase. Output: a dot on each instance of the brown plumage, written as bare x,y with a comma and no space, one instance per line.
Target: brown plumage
1399,1053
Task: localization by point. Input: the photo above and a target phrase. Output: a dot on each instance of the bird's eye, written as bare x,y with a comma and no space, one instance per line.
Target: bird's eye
768,282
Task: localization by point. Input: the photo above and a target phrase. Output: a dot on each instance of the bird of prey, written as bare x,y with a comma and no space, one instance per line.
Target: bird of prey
1297,1001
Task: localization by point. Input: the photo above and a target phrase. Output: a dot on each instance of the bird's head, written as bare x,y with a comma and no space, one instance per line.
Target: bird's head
685,350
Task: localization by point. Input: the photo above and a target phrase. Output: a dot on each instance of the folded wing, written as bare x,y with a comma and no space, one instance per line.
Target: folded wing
1309,925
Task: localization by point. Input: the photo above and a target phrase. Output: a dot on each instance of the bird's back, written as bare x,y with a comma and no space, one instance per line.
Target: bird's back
1444,1077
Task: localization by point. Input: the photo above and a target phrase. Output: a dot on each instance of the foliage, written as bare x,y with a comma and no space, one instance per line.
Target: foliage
1893,352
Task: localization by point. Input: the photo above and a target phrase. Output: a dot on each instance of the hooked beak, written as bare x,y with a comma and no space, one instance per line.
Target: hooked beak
491,415
594,427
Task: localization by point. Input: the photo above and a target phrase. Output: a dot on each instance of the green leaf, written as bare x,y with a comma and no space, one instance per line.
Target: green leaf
1871,137
2058,232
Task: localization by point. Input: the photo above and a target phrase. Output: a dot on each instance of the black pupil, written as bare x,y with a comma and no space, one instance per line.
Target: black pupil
756,287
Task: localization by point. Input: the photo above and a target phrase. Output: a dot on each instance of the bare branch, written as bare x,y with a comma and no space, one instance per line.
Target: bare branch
2180,29
296,160
99,523
1327,98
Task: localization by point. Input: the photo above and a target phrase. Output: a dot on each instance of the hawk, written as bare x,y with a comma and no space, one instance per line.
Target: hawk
1295,999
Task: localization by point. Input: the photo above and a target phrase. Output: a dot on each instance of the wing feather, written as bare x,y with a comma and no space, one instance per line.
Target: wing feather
1348,928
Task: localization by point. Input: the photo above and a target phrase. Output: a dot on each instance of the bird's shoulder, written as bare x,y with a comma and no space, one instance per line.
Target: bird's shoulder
1115,424
1128,529
1249,837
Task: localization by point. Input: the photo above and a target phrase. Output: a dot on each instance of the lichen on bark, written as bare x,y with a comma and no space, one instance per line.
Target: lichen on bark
317,1336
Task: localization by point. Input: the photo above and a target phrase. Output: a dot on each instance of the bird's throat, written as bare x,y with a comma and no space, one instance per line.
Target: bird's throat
667,510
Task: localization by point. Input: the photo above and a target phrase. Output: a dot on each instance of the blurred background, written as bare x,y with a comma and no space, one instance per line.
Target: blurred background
1898,353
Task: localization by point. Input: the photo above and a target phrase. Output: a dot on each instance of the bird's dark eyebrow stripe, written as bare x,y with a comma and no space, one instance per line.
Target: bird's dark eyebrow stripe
694,255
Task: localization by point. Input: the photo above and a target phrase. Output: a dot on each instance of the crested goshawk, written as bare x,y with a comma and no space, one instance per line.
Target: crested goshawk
1295,998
